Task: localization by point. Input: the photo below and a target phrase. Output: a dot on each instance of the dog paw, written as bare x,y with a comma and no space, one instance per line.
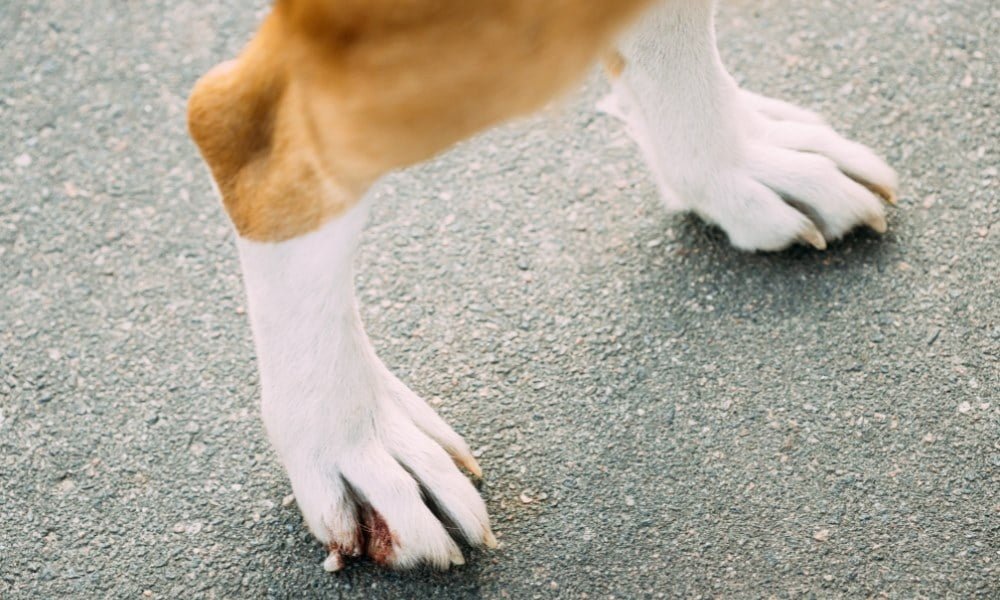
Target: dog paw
836,183
799,182
365,480
776,175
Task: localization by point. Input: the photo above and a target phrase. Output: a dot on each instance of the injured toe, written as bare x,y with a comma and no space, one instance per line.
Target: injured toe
334,562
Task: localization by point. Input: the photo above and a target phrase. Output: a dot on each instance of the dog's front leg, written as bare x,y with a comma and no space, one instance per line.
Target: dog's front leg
363,452
357,443
768,173
325,99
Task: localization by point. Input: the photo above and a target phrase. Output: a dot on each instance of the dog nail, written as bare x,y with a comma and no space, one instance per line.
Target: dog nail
878,224
813,237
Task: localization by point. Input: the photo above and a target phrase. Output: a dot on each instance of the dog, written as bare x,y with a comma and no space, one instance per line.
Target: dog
330,95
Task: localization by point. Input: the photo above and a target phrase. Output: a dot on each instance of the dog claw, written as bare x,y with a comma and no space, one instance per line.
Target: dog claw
878,224
886,193
470,464
813,237
490,540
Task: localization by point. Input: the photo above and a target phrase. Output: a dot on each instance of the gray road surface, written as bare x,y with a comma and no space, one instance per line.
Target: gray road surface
687,420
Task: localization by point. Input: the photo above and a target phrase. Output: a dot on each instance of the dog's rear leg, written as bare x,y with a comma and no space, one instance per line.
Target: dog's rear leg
768,173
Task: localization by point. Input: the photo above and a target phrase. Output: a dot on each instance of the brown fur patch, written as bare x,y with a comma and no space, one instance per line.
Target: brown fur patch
329,96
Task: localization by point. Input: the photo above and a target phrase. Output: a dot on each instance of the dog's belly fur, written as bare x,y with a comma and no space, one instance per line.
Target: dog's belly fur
332,94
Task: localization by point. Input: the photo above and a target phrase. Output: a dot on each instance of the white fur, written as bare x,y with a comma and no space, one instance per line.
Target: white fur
334,412
732,156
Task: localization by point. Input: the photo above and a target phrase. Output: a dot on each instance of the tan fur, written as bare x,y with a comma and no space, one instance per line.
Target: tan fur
614,64
332,94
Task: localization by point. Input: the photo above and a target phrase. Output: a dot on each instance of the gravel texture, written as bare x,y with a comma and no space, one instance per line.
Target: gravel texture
657,414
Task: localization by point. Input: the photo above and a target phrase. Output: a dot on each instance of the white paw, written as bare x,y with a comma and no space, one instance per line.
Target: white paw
362,450
770,175
360,480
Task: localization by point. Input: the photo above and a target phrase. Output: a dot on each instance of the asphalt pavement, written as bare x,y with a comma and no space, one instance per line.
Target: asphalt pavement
657,414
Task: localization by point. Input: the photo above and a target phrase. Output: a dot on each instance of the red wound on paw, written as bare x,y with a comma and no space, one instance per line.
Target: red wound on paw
378,537
353,548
